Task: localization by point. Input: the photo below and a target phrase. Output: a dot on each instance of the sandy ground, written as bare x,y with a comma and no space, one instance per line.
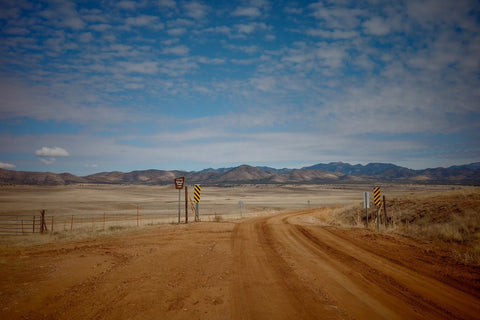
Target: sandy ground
285,266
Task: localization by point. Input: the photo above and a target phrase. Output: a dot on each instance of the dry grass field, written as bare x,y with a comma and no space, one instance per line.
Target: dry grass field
96,199
291,252
450,219
83,208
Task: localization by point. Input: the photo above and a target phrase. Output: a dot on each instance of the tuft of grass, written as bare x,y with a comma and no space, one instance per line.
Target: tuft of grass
218,218
116,228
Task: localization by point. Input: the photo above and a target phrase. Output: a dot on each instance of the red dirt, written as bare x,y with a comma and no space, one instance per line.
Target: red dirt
262,268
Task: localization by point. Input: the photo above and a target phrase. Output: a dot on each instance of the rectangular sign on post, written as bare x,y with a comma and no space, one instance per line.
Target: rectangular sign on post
179,182
366,200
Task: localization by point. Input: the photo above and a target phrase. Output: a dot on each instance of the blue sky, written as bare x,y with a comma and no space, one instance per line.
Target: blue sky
90,86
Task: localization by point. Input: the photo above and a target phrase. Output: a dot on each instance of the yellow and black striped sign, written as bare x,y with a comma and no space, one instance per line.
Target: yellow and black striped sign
377,200
196,193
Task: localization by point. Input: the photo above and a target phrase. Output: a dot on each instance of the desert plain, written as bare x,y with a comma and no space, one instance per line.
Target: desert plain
258,252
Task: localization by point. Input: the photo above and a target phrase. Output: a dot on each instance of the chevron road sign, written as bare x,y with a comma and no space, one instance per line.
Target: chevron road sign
377,200
196,193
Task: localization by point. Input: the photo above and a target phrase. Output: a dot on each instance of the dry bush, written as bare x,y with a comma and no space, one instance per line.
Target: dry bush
450,217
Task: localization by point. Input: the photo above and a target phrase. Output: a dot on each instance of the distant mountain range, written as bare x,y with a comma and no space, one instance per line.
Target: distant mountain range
334,172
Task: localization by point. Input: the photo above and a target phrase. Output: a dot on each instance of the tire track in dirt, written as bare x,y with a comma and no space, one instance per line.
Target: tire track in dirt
430,295
286,270
264,286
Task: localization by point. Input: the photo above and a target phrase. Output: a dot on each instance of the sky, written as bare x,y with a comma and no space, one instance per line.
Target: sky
93,86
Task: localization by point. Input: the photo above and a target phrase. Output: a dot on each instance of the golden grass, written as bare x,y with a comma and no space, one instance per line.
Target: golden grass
452,218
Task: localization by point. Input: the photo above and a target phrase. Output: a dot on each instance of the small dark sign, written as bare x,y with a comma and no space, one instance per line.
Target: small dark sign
179,182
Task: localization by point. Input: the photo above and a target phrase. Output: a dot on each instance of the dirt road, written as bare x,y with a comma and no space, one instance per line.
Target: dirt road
280,267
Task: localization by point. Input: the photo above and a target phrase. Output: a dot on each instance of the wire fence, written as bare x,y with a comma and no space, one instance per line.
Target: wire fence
23,224
45,222
19,224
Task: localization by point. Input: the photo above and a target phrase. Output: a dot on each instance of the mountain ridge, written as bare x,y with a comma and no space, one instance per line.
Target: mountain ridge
333,172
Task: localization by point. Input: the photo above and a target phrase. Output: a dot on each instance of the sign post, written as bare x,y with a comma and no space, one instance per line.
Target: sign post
366,203
179,182
196,199
378,203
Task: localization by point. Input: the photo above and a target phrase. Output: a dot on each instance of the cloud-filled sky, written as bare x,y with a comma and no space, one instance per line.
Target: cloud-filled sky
90,86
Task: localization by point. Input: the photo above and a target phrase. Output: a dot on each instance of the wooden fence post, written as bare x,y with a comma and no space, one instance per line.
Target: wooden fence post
71,225
42,220
137,215
186,204
33,224
52,225
43,224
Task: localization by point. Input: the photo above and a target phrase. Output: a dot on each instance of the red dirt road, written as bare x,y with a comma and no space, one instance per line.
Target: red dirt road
280,267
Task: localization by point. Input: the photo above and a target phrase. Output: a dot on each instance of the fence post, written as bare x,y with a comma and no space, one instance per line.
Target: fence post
104,221
43,224
71,225
42,220
137,215
385,211
22,226
52,225
186,204
33,225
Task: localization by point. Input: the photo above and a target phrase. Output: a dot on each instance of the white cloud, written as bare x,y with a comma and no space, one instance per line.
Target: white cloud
246,49
49,155
219,29
67,12
376,26
129,5
48,161
86,37
176,31
267,84
134,86
100,27
335,34
142,21
167,3
180,50
337,17
51,152
293,10
5,165
16,31
251,12
250,27
147,67
212,61
195,10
